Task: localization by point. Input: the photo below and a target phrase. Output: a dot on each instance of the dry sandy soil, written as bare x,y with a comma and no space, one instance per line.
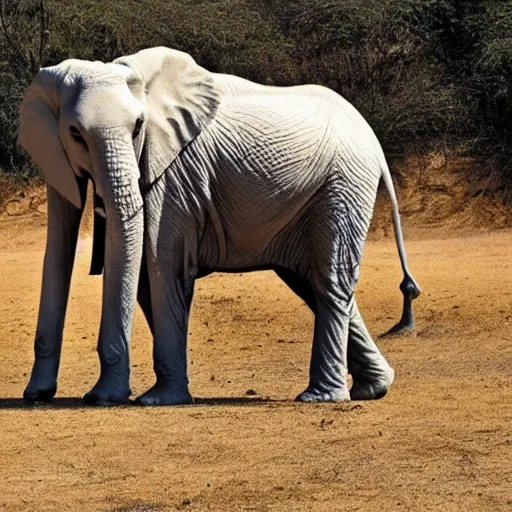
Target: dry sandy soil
440,440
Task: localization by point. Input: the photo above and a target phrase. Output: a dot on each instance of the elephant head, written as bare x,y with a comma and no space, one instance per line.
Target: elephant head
120,124
79,118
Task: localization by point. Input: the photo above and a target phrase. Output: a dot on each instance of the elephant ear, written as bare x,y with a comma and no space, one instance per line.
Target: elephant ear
39,134
182,99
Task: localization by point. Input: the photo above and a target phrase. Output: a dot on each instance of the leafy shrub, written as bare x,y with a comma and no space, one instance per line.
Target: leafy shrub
427,74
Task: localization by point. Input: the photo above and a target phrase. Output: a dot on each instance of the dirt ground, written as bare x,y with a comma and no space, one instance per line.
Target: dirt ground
440,440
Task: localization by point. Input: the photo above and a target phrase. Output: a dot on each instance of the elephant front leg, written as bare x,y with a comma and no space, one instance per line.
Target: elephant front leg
63,225
171,299
122,266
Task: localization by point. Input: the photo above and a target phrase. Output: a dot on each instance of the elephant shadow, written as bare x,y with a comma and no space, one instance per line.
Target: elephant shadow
77,403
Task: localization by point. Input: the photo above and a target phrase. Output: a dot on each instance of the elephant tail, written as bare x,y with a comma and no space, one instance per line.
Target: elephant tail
409,285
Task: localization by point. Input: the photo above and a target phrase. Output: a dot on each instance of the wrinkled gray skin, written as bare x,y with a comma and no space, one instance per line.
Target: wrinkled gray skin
257,177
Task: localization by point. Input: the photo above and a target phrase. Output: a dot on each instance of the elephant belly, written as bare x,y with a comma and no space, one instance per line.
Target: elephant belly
271,245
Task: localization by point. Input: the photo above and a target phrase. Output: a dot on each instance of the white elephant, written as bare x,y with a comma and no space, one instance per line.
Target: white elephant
196,172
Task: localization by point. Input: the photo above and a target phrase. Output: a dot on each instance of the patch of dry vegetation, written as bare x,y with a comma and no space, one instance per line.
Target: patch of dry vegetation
429,76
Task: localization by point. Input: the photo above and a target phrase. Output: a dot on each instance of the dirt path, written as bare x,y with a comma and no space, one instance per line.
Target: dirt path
441,439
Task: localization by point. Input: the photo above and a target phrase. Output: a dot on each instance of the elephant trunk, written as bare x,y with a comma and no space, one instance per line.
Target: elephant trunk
123,247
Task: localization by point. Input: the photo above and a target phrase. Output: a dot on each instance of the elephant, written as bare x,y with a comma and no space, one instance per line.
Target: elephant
196,172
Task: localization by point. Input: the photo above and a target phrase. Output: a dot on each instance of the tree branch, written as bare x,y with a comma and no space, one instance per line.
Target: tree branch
7,36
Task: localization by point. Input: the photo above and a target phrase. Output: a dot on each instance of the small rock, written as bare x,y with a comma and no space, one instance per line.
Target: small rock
251,392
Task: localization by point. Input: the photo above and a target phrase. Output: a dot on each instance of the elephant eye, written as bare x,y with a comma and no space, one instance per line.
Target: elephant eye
77,137
138,126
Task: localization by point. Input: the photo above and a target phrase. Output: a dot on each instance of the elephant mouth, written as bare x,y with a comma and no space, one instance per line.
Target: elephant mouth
98,237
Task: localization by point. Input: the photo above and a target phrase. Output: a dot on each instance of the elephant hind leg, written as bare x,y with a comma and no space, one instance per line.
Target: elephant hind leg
327,380
372,376
328,366
332,296
341,341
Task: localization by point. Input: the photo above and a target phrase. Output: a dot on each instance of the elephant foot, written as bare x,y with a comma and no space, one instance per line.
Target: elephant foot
39,395
165,394
312,394
43,380
372,389
108,391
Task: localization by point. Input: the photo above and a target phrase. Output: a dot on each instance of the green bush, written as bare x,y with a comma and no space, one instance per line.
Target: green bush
427,74
382,56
